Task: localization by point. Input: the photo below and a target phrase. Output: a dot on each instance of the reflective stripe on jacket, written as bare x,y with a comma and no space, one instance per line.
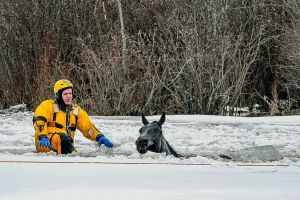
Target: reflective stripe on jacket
48,119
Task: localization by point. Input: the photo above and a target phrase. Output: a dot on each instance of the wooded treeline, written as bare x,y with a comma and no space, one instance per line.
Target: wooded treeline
131,56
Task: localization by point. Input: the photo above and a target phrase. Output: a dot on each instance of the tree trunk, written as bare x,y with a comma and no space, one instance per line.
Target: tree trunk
274,102
122,33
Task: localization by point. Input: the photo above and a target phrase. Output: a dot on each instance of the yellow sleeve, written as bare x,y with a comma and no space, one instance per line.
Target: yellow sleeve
41,117
86,127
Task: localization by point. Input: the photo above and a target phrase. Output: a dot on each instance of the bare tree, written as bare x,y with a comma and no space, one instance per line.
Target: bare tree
129,56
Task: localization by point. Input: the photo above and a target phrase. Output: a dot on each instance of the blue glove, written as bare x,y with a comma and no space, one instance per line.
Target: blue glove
103,140
45,142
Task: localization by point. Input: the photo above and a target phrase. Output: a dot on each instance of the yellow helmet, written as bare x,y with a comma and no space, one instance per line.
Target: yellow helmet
62,84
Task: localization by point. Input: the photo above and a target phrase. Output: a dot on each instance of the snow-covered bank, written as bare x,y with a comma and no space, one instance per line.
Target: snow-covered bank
135,182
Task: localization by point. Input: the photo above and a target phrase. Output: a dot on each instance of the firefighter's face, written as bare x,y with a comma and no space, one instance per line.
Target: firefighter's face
67,96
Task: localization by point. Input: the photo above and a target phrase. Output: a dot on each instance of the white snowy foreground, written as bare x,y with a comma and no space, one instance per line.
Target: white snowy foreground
121,173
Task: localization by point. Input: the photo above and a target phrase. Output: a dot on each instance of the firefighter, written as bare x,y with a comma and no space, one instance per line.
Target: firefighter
55,122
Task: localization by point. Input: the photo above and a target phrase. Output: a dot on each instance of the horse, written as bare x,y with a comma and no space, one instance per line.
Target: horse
152,139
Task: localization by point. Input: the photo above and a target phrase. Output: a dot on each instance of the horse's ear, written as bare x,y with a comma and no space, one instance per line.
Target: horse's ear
144,120
162,119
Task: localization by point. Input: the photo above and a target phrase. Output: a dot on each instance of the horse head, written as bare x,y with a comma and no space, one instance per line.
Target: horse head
151,137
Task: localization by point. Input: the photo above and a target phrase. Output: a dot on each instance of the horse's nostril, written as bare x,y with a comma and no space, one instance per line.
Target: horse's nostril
142,141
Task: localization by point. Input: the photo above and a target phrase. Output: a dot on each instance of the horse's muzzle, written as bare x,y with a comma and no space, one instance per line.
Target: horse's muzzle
142,145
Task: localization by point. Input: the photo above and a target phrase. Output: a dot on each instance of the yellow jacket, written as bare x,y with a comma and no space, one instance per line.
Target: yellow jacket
49,119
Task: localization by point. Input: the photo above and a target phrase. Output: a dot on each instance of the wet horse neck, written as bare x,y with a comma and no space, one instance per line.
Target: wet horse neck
161,145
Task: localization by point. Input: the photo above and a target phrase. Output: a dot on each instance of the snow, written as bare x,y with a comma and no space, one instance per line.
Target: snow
71,181
98,172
